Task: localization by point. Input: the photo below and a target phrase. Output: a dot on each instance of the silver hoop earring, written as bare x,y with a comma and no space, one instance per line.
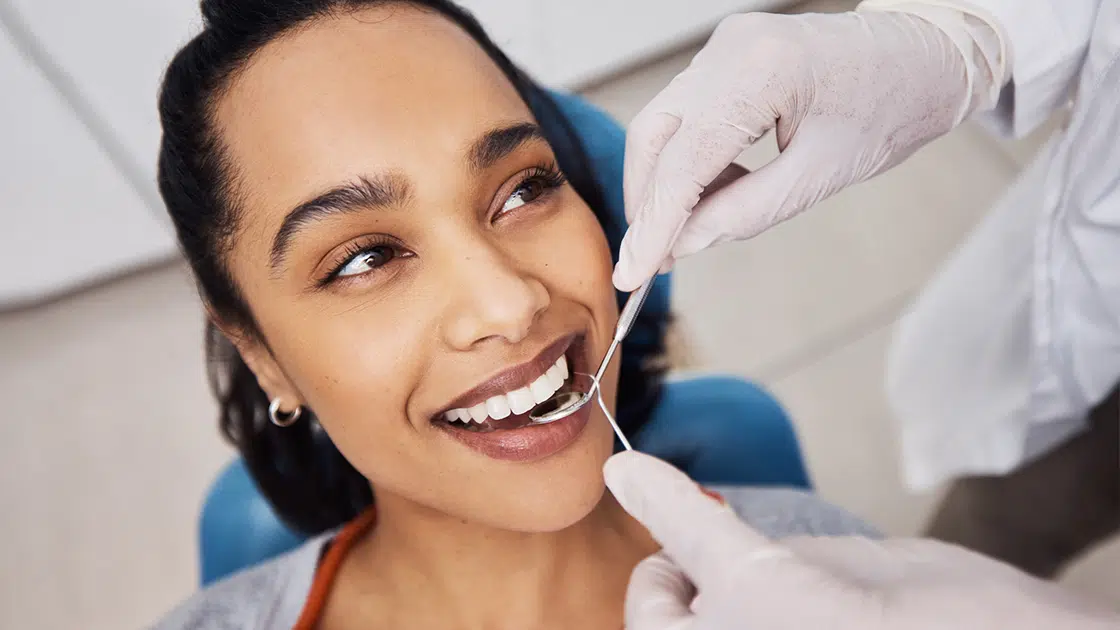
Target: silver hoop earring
281,419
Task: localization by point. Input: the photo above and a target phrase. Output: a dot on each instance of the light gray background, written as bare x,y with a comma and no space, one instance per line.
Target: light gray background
108,439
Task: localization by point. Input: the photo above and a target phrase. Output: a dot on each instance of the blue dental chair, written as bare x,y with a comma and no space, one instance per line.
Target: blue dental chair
718,429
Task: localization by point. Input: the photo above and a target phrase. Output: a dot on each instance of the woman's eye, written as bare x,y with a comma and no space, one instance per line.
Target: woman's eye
367,260
527,192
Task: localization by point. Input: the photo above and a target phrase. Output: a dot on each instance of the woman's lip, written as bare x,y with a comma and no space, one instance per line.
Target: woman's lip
527,443
513,378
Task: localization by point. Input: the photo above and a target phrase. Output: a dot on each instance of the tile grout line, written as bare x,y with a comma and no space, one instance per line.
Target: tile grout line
25,41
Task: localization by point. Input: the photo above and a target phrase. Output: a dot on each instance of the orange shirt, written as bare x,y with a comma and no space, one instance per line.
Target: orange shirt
328,569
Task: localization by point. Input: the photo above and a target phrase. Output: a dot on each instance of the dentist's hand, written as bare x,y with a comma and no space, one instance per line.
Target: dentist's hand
716,573
850,95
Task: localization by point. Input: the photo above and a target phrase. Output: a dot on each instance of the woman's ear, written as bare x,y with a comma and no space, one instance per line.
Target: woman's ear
259,359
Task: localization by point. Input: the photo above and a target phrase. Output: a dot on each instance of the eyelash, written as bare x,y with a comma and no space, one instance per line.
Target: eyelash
549,175
356,249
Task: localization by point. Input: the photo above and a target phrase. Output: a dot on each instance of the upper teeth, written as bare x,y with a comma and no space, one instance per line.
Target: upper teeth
518,401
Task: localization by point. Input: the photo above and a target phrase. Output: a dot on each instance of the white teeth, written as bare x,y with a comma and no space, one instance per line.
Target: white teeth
497,407
542,388
478,412
555,377
518,401
521,400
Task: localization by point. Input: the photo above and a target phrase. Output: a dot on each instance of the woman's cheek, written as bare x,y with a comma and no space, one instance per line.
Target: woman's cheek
578,247
359,368
599,271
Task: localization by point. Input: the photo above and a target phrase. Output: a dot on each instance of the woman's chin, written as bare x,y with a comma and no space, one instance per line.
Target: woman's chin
548,495
554,510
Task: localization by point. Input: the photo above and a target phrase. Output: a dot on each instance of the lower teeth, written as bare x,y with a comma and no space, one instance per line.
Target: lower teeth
485,427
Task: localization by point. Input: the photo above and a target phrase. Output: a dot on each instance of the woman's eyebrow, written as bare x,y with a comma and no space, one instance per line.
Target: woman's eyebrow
392,189
381,191
498,143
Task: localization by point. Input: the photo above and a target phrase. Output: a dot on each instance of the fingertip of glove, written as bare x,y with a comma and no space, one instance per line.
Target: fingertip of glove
618,466
620,279
624,276
631,476
627,474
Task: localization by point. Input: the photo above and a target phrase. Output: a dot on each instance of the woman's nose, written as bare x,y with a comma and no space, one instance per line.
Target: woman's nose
493,299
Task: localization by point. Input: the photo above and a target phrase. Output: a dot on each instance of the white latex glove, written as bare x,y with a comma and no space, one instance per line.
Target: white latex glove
850,95
716,573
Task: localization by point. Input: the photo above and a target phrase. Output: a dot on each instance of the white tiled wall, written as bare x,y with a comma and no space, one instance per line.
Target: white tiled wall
108,439
69,215
80,129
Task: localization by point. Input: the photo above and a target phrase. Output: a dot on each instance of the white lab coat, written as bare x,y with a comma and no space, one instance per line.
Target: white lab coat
1018,335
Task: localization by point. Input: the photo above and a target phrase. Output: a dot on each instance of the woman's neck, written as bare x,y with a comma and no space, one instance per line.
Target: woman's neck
432,570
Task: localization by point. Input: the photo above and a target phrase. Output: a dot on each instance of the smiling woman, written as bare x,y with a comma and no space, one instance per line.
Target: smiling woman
399,261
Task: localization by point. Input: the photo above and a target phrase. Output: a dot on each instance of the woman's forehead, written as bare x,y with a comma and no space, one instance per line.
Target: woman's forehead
389,88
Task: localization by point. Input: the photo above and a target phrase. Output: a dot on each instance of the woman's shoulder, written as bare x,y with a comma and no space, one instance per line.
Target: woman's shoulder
783,512
268,596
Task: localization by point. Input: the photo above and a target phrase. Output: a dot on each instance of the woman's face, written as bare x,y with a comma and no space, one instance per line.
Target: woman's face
412,255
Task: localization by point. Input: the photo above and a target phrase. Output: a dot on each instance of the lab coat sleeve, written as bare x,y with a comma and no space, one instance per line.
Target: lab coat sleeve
1046,42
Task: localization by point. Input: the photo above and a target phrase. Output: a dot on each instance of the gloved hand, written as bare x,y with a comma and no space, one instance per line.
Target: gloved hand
716,573
850,94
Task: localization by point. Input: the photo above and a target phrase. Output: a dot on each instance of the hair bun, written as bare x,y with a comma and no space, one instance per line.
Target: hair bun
215,12
236,15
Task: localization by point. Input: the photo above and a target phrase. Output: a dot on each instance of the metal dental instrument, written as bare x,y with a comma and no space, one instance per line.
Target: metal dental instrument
562,405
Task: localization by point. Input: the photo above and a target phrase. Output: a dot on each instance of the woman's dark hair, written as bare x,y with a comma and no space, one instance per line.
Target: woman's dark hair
310,485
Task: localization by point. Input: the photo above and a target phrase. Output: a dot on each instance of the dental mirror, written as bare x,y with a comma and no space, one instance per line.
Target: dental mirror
563,404
559,406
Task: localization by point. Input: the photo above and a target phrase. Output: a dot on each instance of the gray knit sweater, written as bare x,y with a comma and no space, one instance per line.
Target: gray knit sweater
270,596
